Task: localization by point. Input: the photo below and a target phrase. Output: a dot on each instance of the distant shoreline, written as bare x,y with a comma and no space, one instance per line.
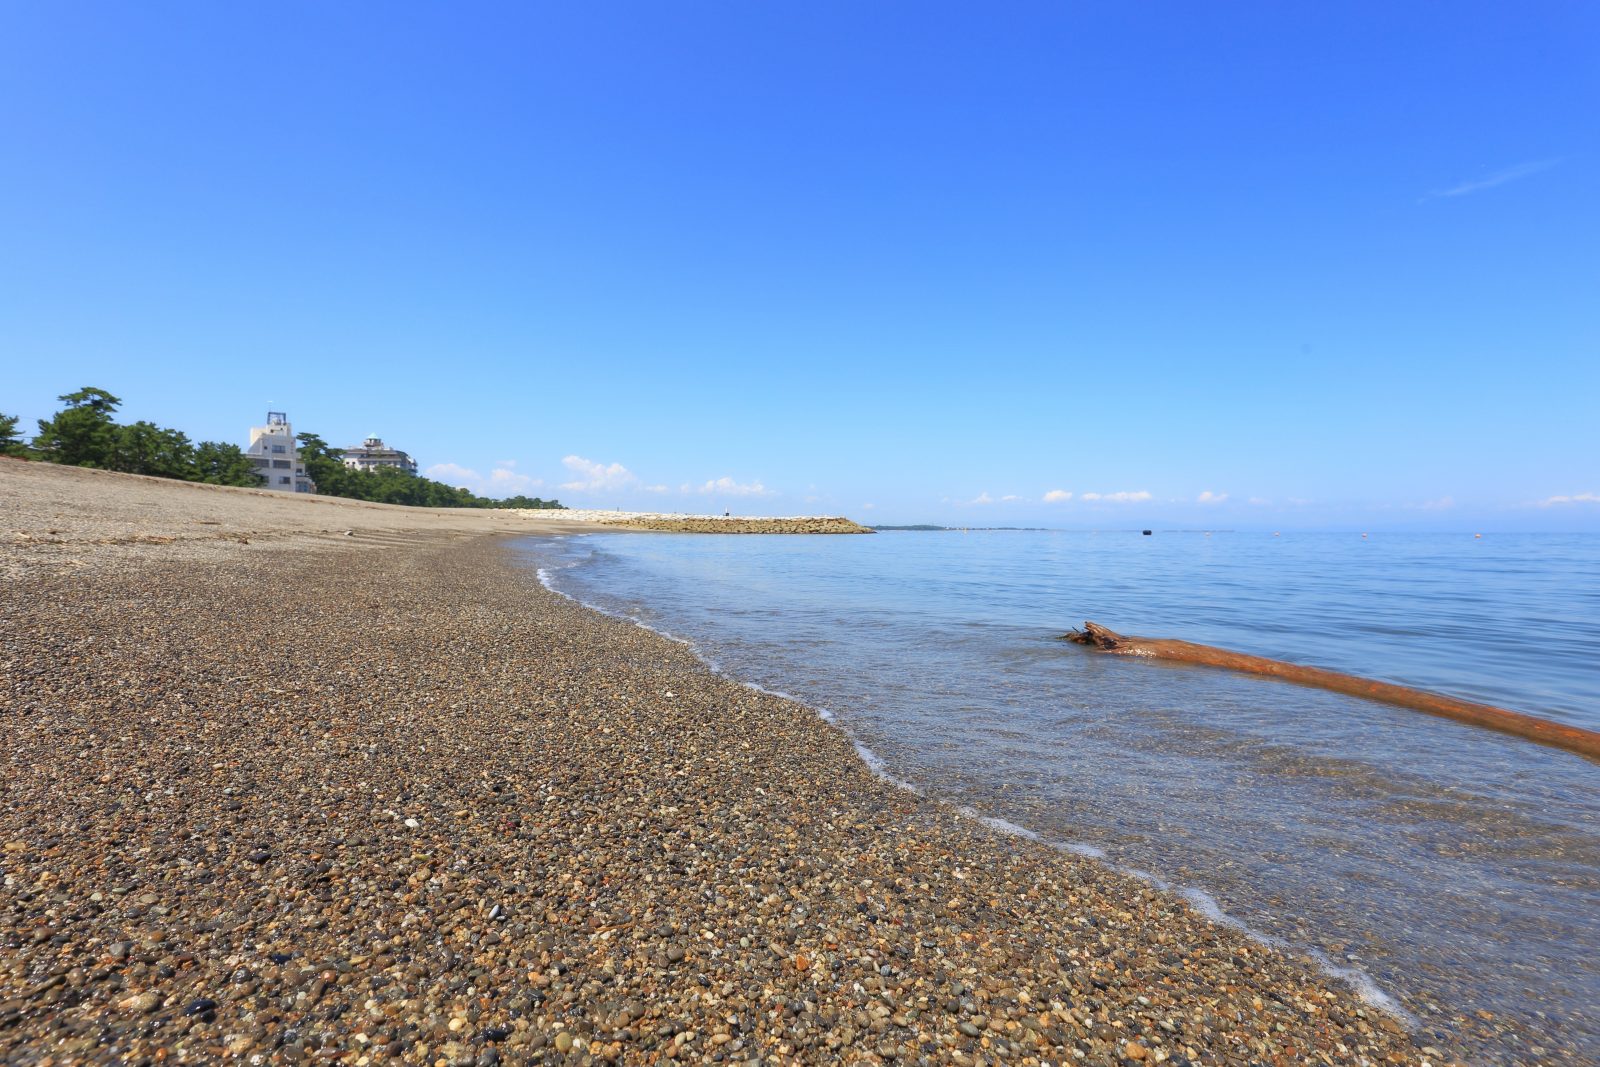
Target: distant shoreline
930,528
666,522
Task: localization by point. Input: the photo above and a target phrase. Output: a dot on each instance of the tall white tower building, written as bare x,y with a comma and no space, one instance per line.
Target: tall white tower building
277,460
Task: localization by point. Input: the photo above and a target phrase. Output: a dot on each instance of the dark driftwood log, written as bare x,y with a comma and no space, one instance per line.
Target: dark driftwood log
1572,738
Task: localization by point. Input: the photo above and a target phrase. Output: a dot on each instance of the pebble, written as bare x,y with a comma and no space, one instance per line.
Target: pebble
143,1003
202,1006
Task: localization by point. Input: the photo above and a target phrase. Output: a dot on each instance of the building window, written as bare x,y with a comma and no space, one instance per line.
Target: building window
284,480
280,464
279,449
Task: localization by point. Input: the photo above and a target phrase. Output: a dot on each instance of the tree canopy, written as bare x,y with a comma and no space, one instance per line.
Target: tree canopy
85,433
82,434
218,463
10,443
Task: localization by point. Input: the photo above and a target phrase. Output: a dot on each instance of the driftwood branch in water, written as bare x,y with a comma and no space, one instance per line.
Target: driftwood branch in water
1572,738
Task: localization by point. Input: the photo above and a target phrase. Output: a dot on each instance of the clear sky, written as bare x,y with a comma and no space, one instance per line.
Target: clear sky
1234,265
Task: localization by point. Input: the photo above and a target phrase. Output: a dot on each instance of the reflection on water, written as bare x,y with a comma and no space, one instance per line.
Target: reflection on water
1459,869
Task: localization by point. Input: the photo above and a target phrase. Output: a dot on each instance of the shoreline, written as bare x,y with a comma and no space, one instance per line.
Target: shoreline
1364,986
392,800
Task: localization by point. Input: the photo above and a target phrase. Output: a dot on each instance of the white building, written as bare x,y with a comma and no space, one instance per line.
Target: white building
277,460
372,453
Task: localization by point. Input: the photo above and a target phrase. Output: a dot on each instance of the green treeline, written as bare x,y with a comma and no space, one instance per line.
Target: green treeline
85,434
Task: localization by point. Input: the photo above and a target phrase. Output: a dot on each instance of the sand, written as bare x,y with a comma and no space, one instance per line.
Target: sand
70,516
279,795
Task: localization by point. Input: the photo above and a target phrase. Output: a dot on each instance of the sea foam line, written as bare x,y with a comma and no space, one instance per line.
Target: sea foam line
1364,985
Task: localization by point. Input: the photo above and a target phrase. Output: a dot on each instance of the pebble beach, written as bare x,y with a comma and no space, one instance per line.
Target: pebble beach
310,781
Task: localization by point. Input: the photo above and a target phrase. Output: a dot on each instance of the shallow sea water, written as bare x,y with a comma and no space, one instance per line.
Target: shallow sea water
1449,872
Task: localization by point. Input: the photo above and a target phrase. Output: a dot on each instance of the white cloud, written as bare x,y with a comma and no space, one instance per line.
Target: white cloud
1499,177
502,481
868,507
1575,498
1124,497
1260,501
1010,496
1444,503
1208,497
452,474
594,477
1057,496
729,487
982,498
512,482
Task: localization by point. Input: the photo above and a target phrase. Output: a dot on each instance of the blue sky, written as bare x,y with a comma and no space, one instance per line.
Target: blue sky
1251,265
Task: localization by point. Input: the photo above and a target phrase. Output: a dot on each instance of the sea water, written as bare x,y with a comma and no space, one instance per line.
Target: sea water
1448,872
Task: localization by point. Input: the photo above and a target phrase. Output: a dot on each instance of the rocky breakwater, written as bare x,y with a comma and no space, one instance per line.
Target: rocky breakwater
714,524
411,807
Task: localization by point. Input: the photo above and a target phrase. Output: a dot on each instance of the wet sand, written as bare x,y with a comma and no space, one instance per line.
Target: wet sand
374,794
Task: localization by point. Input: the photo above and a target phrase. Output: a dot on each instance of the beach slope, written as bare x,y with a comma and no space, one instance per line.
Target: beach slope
282,795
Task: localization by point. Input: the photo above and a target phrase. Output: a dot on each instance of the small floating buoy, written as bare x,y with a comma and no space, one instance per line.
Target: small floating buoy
1477,537
1147,533
1363,537
1275,533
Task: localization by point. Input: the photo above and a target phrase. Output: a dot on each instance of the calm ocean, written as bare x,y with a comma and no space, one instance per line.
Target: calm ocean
1448,871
